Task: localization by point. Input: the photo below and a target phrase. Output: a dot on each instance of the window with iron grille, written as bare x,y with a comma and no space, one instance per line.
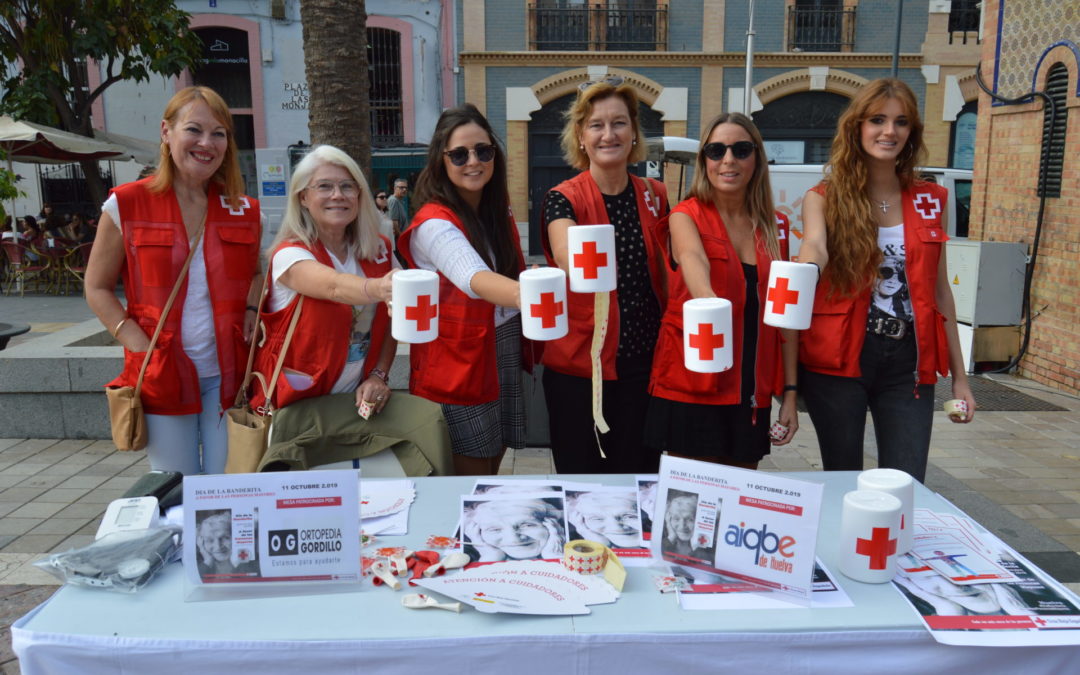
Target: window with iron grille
821,26
1053,155
384,86
615,25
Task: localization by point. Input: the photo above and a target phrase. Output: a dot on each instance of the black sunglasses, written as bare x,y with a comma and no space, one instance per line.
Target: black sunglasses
716,151
459,156
889,273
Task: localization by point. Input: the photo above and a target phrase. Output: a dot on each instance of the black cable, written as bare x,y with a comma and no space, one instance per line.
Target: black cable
1044,166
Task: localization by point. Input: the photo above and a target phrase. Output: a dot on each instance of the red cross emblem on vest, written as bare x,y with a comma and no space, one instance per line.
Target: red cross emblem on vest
239,211
384,255
781,296
547,310
878,547
589,261
927,205
422,313
705,341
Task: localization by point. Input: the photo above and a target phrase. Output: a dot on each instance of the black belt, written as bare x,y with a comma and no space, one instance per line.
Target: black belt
889,326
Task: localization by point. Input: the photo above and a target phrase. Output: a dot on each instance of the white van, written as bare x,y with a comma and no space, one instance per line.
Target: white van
791,181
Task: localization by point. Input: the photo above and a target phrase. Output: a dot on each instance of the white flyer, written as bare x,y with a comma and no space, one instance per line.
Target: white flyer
704,590
272,527
749,525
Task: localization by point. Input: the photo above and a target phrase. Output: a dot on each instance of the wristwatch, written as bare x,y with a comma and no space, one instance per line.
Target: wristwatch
381,374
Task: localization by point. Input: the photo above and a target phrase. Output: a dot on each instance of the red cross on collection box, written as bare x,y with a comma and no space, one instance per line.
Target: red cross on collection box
707,342
789,300
869,536
415,306
592,258
543,303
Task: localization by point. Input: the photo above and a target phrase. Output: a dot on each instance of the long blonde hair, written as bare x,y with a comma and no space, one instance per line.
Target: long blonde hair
228,174
361,235
759,201
854,256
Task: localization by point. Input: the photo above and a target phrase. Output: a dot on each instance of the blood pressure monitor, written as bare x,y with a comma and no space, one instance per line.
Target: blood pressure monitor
127,514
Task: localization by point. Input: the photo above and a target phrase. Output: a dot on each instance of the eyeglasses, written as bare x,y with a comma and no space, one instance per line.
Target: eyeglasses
459,156
326,188
717,151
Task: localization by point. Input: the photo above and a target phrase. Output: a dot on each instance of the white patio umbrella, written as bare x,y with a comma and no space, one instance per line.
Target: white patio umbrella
29,142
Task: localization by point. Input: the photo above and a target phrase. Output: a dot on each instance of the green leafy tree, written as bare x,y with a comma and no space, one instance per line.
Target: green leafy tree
45,46
8,189
335,63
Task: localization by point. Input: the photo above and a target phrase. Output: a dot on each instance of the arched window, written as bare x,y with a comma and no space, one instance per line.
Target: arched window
1053,156
799,128
962,137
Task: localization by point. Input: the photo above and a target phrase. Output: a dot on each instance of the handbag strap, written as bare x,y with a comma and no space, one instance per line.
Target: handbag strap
169,303
241,393
281,359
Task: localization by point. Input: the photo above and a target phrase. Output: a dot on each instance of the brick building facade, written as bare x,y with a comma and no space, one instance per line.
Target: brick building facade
1027,47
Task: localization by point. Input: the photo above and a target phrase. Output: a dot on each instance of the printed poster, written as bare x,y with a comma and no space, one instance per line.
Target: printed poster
751,526
272,527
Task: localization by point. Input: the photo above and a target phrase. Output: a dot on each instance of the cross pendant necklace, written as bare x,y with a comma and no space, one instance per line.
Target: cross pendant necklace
884,205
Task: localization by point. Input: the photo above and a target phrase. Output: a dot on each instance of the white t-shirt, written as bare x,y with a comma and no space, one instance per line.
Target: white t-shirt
891,288
363,315
197,320
438,245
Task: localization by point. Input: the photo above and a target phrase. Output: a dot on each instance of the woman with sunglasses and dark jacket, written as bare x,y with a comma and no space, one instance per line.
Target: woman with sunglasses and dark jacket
465,232
720,243
884,321
603,137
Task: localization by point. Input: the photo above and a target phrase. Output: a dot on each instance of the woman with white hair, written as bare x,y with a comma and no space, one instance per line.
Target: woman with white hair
513,529
329,263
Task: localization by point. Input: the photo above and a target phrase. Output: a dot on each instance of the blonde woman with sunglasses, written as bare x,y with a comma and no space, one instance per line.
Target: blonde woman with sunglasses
465,232
722,242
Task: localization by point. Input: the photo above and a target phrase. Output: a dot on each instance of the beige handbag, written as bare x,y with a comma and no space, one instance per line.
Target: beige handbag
126,416
248,429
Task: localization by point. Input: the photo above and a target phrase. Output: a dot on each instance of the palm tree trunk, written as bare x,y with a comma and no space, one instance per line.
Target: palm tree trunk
335,63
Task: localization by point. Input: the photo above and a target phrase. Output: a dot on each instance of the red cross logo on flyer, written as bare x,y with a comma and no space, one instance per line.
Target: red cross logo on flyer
705,341
547,310
878,547
423,313
244,206
928,206
780,296
589,261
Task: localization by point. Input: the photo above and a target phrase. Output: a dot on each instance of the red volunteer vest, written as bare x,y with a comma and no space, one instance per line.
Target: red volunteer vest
320,342
570,354
834,340
460,366
155,248
670,378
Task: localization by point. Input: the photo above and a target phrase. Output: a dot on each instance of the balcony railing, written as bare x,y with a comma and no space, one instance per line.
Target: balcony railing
611,26
964,21
821,29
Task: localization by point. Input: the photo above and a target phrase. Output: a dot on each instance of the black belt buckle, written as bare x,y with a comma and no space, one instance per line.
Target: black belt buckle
889,326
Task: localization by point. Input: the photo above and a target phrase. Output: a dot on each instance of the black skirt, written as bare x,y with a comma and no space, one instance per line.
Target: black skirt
736,432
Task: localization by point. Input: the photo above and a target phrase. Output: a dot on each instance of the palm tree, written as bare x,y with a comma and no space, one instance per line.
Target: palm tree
335,63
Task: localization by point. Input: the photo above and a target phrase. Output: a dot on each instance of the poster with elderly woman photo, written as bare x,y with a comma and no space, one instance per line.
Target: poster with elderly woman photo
749,525
504,527
608,516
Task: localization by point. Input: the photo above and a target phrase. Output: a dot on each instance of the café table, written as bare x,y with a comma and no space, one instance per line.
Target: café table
366,630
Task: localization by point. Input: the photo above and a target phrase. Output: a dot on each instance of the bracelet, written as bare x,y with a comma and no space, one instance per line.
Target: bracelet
790,387
380,373
116,331
251,308
366,280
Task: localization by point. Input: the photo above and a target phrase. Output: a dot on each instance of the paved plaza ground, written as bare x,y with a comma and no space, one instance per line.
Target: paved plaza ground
1017,473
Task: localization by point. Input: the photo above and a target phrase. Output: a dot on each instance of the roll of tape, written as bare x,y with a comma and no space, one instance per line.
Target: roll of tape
584,557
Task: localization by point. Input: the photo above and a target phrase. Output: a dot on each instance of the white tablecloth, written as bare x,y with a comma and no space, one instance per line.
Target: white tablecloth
83,630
